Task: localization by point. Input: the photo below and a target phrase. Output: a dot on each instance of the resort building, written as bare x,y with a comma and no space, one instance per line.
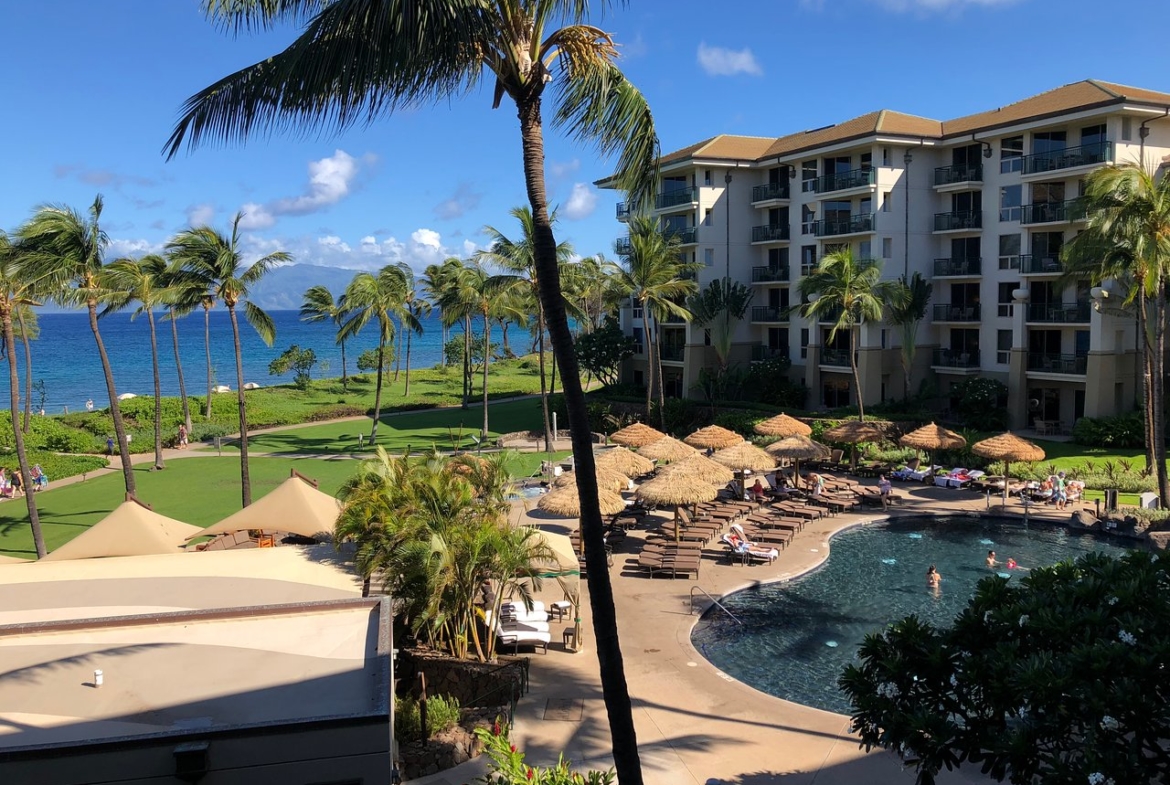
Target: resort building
980,206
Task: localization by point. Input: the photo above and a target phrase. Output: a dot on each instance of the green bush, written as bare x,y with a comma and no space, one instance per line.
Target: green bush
55,466
981,403
740,422
1123,430
442,713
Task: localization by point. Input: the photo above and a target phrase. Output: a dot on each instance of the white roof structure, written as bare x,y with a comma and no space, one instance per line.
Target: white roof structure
295,506
132,529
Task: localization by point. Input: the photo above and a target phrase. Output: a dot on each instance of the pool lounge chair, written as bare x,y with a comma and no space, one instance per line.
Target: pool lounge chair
957,478
915,475
515,638
748,552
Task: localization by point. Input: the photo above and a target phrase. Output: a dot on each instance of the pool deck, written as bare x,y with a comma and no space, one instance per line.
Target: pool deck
695,724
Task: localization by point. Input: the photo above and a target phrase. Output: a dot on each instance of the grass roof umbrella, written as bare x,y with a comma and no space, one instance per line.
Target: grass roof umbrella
782,425
624,460
854,432
636,435
931,438
567,504
745,455
676,489
714,437
702,468
1008,447
667,449
607,479
797,449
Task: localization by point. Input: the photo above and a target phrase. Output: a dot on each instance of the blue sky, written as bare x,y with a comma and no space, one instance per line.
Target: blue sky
92,90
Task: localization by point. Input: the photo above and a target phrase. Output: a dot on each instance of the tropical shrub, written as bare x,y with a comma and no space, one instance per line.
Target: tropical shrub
740,422
1123,430
602,351
981,403
508,766
768,382
443,712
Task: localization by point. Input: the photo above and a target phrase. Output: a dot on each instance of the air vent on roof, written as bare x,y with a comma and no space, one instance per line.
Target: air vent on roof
822,128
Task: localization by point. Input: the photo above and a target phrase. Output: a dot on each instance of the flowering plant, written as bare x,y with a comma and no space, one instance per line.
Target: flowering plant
509,768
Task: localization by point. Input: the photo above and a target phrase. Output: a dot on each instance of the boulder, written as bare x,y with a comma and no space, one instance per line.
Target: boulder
1082,520
1159,541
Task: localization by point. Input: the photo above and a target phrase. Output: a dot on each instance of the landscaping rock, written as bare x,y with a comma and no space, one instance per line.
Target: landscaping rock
1082,520
1159,540
448,748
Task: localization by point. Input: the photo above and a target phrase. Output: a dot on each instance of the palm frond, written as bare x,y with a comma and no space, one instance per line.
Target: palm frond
261,322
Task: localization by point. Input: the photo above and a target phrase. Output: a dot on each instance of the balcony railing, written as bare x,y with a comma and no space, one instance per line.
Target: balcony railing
762,193
622,245
769,313
944,312
673,318
769,274
835,357
676,197
769,233
1053,212
959,266
948,358
623,211
673,353
839,181
761,352
829,315
959,173
1040,264
687,236
1057,363
829,227
958,219
1085,155
1060,313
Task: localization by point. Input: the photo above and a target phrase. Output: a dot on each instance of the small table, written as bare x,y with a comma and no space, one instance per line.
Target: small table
560,608
569,637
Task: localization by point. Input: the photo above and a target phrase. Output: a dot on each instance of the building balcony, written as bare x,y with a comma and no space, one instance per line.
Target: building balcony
678,197
769,314
1040,264
762,352
836,358
770,233
957,267
687,236
958,174
1059,313
948,359
829,315
770,274
622,245
958,221
672,353
944,312
673,319
841,181
834,227
1074,364
771,192
1053,212
1069,158
623,211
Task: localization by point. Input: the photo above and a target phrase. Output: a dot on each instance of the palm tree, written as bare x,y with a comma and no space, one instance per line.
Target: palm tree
416,309
217,259
598,292
1128,233
29,330
854,289
16,288
376,297
66,251
653,275
319,306
185,295
143,281
358,62
907,309
518,259
436,282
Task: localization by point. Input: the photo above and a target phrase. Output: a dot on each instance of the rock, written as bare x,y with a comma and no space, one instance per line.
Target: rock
1083,520
1159,540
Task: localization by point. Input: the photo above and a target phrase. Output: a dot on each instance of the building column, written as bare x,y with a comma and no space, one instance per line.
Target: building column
1018,363
812,375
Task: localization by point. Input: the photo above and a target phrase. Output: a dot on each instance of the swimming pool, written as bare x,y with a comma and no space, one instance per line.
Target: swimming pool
798,636
529,492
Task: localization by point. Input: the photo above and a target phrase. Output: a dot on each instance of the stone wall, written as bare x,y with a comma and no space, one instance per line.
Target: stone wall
445,749
473,684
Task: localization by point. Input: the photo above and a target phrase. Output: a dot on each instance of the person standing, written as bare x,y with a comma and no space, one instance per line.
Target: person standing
885,488
109,445
89,405
182,436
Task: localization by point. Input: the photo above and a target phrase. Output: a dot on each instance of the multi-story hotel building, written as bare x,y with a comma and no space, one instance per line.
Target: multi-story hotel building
980,206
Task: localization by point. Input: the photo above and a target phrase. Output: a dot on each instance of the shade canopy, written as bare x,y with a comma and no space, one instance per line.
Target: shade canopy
636,435
667,449
608,479
676,488
295,506
132,529
562,559
782,425
745,455
624,460
798,448
933,437
1008,447
713,436
565,502
853,432
702,468
6,560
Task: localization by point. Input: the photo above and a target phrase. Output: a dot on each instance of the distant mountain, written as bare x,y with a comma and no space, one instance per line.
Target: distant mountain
283,288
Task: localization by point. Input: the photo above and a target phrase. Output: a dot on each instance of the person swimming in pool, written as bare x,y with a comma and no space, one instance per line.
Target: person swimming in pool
933,578
991,561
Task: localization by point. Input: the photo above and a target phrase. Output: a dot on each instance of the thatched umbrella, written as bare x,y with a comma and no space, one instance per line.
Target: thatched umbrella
667,449
930,438
853,432
676,489
567,504
714,437
1008,447
745,455
607,479
797,449
702,468
782,425
636,435
624,460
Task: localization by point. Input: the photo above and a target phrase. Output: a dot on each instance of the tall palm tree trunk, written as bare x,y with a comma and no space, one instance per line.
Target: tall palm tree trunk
245,476
378,389
446,335
34,519
1145,358
487,356
543,379
856,374
1159,384
344,377
406,392
27,371
507,348
179,368
609,655
207,353
661,378
158,457
115,408
398,352
466,361
649,362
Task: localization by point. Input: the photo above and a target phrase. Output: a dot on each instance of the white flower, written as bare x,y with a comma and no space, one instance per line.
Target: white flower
1112,600
954,681
1096,778
1023,620
1127,638
986,616
1108,723
888,690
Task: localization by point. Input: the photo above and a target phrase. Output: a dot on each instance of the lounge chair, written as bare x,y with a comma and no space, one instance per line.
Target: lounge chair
915,475
747,552
515,638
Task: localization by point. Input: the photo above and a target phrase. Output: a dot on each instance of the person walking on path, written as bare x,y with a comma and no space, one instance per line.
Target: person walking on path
182,436
110,445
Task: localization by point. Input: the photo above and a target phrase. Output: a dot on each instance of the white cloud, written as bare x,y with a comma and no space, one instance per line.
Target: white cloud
465,198
256,216
718,61
581,204
201,214
559,169
135,248
918,5
329,181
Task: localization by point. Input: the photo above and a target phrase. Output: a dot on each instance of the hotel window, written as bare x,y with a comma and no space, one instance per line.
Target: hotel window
884,340
808,220
867,161
808,176
865,250
1011,154
886,199
1010,201
1126,129
706,337
707,215
808,259
804,343
1003,346
709,257
1009,252
887,248
706,177
1005,297
885,156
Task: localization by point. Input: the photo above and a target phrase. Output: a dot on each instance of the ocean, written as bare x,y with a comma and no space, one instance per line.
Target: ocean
65,356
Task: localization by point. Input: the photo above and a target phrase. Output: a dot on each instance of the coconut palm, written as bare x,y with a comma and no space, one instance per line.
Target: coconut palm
906,310
518,259
177,309
653,273
436,281
854,289
27,329
358,62
319,306
378,298
217,260
416,308
16,288
597,292
142,281
66,252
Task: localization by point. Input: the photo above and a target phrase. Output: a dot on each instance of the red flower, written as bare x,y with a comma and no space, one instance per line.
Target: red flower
530,774
496,728
513,746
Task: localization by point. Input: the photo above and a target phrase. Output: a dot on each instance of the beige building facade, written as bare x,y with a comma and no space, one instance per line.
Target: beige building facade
980,206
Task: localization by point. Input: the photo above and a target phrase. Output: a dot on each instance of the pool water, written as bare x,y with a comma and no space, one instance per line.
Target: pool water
798,636
530,492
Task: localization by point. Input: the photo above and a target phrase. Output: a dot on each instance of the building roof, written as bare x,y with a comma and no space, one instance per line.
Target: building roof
722,147
132,529
885,121
295,506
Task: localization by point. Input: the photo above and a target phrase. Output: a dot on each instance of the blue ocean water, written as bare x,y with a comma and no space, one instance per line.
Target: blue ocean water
65,356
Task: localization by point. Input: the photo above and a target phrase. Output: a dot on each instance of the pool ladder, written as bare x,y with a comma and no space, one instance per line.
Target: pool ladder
714,601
